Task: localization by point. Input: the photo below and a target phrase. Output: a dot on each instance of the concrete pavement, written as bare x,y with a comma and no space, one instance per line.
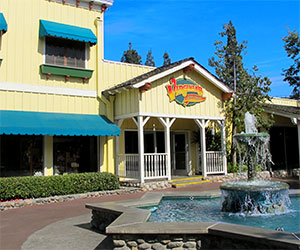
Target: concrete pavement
61,225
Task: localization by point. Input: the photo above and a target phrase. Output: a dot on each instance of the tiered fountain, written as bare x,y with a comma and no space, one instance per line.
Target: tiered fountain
254,196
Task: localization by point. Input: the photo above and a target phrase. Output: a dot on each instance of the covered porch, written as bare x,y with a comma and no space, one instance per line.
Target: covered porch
159,112
155,147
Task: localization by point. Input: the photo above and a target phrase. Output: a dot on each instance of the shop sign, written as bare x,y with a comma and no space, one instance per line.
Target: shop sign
185,92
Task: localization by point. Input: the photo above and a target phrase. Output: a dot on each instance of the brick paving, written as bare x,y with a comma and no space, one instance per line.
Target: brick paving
16,225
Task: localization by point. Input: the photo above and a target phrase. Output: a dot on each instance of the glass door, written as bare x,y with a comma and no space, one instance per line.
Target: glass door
179,154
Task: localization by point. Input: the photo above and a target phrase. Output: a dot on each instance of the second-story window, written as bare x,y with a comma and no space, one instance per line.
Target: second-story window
65,52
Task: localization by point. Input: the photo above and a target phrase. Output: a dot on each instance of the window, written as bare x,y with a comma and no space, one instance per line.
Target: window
154,142
65,52
131,142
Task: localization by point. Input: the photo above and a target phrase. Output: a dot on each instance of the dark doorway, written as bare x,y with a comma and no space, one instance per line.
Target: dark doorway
284,148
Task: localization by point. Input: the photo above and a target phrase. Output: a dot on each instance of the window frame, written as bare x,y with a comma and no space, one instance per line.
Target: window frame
154,133
86,47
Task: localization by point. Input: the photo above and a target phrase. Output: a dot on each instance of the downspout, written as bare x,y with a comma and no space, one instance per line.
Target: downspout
108,144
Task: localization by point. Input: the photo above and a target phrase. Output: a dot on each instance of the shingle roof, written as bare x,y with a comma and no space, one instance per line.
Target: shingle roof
129,84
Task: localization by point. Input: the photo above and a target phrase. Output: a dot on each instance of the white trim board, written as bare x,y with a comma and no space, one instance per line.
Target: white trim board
169,116
30,88
199,69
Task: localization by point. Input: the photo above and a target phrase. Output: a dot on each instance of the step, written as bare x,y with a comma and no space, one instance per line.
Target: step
184,182
188,178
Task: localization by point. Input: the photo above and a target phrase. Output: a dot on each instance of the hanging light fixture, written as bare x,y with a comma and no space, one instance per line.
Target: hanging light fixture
213,130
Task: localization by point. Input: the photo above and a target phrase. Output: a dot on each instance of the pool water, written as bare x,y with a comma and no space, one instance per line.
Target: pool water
194,209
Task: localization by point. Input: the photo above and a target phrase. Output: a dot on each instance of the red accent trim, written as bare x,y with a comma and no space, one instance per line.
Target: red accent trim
84,79
63,1
48,75
146,87
77,3
67,78
103,8
189,68
226,96
91,4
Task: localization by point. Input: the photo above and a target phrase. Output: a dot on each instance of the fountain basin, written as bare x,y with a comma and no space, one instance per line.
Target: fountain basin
131,224
255,197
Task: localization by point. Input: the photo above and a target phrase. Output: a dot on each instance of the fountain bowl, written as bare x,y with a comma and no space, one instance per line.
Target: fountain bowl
255,197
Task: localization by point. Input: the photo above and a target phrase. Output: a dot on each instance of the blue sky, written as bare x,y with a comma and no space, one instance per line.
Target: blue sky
189,28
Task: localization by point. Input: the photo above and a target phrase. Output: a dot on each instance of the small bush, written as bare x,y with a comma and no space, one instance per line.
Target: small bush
12,188
232,168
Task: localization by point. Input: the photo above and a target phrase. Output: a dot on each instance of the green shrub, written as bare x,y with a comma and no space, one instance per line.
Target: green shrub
232,168
12,188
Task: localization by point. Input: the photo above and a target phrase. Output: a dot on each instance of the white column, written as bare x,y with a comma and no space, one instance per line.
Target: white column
202,124
223,143
48,155
167,125
168,148
203,150
141,147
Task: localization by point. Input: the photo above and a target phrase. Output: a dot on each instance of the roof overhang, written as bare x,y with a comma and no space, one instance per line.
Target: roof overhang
108,3
186,65
197,68
283,111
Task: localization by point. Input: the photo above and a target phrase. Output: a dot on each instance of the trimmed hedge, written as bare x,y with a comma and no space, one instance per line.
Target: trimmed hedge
12,188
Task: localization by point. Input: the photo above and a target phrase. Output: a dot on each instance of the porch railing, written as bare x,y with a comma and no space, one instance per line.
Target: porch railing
214,162
155,166
128,166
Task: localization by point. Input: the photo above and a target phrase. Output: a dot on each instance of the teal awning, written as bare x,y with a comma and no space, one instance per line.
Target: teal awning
3,24
42,123
66,31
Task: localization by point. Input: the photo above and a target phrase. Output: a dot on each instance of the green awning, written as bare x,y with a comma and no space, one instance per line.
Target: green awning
66,31
42,123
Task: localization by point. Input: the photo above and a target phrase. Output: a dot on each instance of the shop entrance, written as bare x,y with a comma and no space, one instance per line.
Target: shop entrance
179,153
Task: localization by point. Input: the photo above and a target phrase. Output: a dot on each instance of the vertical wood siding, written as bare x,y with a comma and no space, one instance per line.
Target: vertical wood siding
157,101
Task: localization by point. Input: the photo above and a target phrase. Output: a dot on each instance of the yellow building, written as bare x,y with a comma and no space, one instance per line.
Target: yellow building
66,109
54,118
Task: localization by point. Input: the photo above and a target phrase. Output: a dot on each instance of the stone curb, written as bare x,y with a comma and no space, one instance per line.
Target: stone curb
62,198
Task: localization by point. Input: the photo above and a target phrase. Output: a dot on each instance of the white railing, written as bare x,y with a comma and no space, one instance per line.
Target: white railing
128,166
155,165
214,162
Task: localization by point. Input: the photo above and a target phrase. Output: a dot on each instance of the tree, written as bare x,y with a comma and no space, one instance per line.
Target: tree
250,89
292,75
149,60
167,60
131,56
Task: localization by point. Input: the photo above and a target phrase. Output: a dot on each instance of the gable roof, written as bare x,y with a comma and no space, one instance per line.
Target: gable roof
163,71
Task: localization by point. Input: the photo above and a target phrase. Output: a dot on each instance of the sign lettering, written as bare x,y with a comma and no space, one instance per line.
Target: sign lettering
185,92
